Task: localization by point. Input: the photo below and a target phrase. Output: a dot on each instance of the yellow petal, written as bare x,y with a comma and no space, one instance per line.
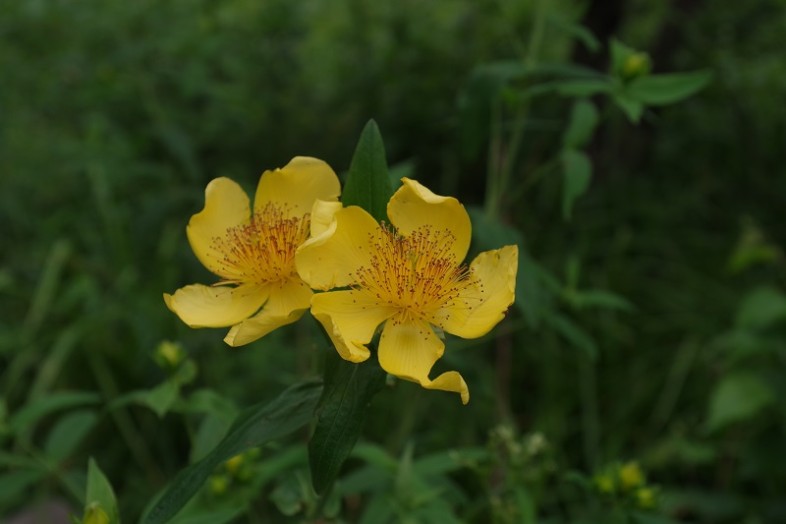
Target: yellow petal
226,206
298,184
287,303
322,216
332,258
414,206
451,381
350,319
409,349
216,306
481,306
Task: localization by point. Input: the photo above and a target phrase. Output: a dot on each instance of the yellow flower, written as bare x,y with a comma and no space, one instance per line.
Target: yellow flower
408,275
253,252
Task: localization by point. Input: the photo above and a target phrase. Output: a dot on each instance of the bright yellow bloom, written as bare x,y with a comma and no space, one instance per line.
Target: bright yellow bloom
253,252
407,274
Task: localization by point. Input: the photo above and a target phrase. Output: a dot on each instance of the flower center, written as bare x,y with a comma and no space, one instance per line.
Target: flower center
417,273
263,250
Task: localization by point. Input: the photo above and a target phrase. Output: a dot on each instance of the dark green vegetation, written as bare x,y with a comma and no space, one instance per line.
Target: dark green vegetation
650,324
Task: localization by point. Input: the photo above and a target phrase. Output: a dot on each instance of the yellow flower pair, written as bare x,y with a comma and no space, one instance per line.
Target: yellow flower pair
406,274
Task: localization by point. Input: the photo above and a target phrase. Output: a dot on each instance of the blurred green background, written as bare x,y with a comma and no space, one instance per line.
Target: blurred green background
649,336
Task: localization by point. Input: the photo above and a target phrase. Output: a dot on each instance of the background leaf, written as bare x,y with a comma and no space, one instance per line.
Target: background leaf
738,397
657,90
577,172
582,124
29,415
255,426
761,308
69,431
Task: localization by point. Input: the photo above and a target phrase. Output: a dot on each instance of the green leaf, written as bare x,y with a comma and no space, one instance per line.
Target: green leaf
639,517
17,460
761,308
16,483
573,334
633,109
583,121
255,426
448,461
738,397
368,184
340,416
380,508
525,505
576,87
159,399
69,431
30,414
208,402
577,171
535,289
582,88
658,90
100,491
221,516
577,31
211,430
375,455
599,298
752,248
707,504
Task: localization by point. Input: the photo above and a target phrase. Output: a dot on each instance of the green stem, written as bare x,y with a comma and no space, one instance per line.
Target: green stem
503,159
52,468
588,385
675,380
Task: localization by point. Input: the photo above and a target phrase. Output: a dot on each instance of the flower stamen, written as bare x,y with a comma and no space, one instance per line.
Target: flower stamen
263,250
417,273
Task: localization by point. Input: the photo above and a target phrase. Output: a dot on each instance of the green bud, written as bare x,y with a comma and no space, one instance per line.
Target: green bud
636,65
169,354
95,514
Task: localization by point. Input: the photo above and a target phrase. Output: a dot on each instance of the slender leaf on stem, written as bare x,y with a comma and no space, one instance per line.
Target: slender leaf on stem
577,170
341,413
99,491
583,120
739,397
368,184
255,426
658,90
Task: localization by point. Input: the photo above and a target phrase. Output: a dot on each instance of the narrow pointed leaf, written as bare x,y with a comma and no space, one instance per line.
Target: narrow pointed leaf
583,121
658,90
368,184
99,491
577,171
255,426
340,416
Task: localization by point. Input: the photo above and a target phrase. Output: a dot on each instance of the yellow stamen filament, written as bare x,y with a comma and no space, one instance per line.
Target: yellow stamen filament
416,274
262,251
